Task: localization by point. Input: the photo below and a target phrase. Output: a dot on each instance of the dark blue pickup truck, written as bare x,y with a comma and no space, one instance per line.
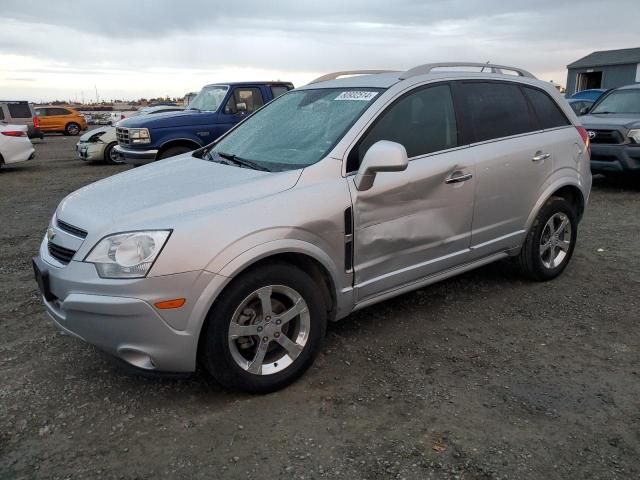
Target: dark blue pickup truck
211,113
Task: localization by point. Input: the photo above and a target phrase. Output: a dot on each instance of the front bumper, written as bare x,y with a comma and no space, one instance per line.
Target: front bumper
90,151
615,158
136,157
119,317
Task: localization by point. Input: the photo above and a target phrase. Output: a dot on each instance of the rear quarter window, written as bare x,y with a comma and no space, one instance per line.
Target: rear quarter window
547,111
19,110
493,110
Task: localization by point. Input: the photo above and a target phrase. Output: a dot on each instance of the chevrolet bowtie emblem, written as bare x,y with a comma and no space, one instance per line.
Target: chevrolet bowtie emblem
50,233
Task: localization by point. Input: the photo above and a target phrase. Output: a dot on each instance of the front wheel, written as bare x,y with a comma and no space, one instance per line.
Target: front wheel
111,156
551,241
265,329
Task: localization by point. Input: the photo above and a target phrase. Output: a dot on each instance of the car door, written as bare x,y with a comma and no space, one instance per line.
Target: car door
45,121
414,223
242,101
512,161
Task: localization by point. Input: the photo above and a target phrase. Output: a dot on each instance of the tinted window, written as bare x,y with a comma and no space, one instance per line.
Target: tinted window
494,110
1,113
423,121
58,111
244,100
278,90
548,113
19,110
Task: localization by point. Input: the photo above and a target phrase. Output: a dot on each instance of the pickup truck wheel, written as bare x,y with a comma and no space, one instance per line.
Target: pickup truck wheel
72,129
550,242
264,330
111,156
173,151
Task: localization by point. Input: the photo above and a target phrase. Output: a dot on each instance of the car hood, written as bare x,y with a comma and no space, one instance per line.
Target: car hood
621,120
170,119
162,193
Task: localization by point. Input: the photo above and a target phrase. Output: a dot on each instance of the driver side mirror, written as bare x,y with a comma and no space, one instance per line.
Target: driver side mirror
382,156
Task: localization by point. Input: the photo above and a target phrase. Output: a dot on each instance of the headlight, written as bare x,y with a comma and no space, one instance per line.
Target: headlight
95,137
127,255
634,135
139,135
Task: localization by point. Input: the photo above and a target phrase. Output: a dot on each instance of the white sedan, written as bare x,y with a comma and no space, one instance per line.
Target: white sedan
15,145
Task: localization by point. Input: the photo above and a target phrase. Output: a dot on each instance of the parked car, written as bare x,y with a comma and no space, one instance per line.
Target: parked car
61,120
580,106
613,124
215,110
15,145
592,94
20,112
98,144
334,197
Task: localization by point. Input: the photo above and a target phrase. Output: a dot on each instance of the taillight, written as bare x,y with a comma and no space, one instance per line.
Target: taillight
14,133
36,122
585,137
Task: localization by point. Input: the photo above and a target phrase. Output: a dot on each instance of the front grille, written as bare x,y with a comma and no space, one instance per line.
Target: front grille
63,255
123,136
610,137
75,231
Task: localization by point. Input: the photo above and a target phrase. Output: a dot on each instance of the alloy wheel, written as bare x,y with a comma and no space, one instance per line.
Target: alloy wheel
555,241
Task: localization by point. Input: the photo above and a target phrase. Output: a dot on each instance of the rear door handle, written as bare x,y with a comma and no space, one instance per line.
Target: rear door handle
459,178
539,156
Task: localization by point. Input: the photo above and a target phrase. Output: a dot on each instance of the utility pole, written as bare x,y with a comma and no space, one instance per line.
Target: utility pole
97,98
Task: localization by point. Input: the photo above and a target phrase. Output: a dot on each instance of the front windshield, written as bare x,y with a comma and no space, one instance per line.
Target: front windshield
297,129
620,101
209,98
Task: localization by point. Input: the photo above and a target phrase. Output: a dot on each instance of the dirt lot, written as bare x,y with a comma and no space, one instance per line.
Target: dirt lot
485,376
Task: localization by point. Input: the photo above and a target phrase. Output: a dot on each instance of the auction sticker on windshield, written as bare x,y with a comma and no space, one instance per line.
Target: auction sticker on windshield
356,95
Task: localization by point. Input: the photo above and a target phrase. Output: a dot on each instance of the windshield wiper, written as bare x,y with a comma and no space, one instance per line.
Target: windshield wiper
601,113
243,162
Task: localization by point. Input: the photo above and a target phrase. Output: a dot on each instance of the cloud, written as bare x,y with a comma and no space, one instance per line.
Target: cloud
165,45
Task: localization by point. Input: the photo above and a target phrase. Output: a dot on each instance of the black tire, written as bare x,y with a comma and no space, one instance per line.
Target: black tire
72,129
530,259
173,151
111,159
215,352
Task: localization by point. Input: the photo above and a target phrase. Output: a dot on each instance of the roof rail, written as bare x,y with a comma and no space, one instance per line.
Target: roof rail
429,67
334,75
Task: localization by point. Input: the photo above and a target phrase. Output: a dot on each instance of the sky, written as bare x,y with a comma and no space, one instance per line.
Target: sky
127,49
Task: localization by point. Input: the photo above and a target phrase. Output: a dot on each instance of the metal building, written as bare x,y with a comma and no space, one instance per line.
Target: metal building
606,69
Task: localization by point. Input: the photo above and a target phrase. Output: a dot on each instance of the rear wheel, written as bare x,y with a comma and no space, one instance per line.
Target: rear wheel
111,156
265,329
72,129
550,242
173,151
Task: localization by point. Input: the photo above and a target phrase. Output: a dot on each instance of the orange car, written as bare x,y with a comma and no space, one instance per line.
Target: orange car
60,119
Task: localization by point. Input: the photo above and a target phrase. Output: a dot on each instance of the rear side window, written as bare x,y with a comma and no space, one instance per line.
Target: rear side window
423,122
1,113
277,90
548,113
19,110
494,110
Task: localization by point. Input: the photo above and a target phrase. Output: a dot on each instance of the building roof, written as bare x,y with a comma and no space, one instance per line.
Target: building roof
608,57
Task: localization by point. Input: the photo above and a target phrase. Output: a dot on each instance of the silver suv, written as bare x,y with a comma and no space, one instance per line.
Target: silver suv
334,197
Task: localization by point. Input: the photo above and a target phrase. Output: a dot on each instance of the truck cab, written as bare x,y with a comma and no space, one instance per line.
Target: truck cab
216,109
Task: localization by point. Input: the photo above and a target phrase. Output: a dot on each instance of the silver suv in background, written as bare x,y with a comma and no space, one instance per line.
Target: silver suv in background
334,197
20,112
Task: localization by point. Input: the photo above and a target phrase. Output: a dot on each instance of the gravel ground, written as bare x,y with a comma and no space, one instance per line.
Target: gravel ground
484,376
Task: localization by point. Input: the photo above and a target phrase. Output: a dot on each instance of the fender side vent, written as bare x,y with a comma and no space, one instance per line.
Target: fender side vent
348,239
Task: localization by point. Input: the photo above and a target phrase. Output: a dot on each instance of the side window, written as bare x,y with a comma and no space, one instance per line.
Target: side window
423,122
548,113
494,110
244,100
1,113
41,112
277,90
19,110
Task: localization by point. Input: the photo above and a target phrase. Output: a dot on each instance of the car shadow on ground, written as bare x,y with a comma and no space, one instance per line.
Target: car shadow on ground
621,182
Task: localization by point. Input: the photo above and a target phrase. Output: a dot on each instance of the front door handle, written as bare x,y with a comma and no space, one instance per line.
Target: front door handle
539,156
459,178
